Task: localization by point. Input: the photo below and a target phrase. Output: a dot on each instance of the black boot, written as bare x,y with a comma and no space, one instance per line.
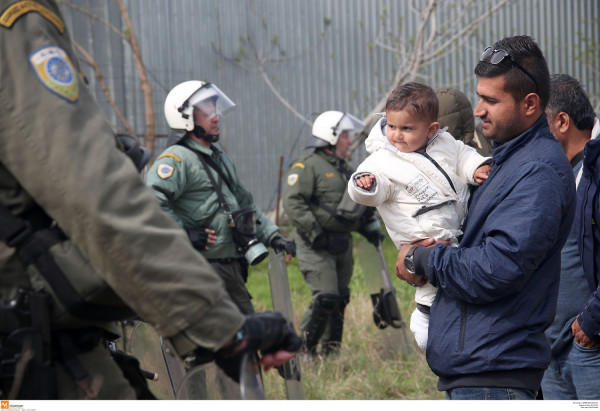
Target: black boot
336,326
322,308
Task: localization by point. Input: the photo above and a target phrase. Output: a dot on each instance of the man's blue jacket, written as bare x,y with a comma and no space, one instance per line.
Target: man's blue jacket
498,289
588,235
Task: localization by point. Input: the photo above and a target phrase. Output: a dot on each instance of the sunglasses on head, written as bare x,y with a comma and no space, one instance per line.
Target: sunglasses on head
495,56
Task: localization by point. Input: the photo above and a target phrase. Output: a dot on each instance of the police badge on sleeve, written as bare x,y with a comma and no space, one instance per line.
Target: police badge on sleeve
55,71
164,171
292,179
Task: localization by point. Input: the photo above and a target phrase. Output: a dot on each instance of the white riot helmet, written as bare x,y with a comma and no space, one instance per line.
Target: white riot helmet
330,124
192,95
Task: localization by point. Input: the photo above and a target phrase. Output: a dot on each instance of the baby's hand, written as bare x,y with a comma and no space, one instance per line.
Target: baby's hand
481,174
365,181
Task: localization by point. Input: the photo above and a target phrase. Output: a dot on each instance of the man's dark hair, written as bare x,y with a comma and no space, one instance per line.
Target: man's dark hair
416,98
523,51
567,95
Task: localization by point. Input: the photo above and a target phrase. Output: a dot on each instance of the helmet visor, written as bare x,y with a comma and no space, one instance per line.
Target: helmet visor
348,123
211,101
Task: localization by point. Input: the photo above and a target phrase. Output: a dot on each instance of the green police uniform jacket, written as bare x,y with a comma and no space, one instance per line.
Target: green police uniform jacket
314,187
58,154
184,190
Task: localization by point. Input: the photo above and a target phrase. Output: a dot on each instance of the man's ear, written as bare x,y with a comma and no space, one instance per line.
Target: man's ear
433,128
532,104
562,122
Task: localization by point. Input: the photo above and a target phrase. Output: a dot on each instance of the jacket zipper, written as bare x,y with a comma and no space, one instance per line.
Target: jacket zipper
435,163
463,327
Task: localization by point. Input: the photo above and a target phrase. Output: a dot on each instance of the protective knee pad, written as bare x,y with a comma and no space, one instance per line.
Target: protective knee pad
336,325
327,302
344,296
322,307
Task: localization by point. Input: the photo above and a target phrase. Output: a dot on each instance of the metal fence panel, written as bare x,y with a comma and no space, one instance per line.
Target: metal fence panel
317,54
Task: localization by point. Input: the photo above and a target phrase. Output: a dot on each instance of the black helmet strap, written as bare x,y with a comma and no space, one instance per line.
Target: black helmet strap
201,133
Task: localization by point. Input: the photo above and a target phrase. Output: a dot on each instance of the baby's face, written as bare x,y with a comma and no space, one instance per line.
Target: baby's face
408,133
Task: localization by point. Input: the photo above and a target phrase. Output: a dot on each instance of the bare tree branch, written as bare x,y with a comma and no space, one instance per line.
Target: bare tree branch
150,133
130,38
279,97
442,27
435,37
259,59
94,16
90,61
451,42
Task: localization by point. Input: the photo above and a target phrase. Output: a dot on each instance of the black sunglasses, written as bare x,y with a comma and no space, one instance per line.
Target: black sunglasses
491,55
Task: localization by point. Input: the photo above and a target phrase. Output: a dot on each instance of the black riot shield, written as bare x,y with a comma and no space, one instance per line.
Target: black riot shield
386,312
282,302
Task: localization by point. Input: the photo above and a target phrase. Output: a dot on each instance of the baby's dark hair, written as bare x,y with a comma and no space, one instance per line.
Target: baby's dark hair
416,98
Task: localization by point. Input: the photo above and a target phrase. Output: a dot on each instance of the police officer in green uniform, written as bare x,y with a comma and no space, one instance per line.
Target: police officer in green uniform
80,210
316,201
197,183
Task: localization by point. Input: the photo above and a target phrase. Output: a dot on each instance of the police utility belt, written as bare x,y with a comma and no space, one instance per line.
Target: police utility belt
347,211
54,261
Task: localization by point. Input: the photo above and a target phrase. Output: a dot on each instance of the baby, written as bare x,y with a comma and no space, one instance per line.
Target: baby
418,177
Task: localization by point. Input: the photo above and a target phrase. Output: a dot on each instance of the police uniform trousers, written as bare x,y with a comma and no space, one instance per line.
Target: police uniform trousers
324,273
231,271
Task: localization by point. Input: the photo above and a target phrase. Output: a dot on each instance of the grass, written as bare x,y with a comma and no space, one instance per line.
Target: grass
364,369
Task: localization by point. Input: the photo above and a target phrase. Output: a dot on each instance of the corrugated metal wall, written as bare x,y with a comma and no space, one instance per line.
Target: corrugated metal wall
338,70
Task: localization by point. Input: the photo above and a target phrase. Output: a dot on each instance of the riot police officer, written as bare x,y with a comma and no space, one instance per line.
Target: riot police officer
197,183
316,201
83,242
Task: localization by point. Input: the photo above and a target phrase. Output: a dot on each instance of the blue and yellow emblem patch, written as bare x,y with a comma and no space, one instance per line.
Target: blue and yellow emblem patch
292,179
55,71
164,171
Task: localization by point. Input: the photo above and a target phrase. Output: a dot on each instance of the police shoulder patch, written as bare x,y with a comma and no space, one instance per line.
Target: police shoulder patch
300,165
169,155
55,71
292,179
164,171
20,8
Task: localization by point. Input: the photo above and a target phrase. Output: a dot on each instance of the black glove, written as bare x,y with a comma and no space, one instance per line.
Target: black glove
374,237
320,242
198,237
280,244
267,332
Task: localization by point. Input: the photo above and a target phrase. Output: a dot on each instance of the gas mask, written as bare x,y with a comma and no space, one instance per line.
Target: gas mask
244,235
